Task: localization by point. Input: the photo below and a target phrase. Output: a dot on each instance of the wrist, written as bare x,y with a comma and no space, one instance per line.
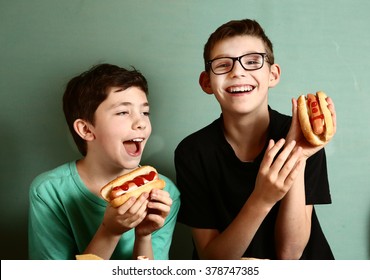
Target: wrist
144,238
109,232
143,246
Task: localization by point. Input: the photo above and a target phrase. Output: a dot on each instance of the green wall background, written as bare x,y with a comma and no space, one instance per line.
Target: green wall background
320,45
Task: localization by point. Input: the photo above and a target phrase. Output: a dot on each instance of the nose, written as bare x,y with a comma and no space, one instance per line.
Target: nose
238,69
139,123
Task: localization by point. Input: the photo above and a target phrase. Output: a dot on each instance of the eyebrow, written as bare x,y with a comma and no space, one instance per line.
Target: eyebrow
115,105
228,56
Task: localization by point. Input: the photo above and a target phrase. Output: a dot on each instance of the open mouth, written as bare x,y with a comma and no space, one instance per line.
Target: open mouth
133,146
240,89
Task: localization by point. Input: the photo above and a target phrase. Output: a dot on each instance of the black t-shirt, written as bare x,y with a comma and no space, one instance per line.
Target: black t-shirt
215,184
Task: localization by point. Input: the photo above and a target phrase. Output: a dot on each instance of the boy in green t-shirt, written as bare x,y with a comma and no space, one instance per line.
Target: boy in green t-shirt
107,111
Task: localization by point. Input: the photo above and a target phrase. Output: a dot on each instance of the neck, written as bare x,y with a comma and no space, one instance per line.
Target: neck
247,135
95,175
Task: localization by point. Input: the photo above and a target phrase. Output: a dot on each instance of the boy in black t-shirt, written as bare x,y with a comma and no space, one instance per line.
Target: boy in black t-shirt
249,180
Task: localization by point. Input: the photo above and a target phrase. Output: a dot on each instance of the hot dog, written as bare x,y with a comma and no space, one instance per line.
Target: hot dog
315,118
142,179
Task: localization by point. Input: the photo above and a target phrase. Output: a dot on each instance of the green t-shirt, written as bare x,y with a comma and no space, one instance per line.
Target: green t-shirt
64,216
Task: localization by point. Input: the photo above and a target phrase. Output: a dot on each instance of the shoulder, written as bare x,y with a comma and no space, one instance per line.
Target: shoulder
170,187
52,179
278,117
279,124
201,138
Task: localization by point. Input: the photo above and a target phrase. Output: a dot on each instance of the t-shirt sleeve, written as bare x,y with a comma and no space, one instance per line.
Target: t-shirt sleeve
196,209
316,180
49,236
162,238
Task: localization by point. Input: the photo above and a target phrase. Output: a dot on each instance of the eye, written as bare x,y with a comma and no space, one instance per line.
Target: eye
147,113
252,60
122,113
222,63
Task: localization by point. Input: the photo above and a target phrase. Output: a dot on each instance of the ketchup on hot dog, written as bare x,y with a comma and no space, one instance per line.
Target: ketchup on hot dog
316,116
136,182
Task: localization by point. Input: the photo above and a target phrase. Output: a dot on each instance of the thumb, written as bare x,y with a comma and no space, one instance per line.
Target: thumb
294,109
294,127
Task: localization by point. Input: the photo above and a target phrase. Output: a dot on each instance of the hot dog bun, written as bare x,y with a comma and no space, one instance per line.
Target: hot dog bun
87,257
136,192
304,116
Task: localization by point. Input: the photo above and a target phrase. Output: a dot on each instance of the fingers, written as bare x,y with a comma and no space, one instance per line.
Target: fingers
148,212
286,160
161,196
295,121
132,205
271,152
160,202
291,166
281,164
157,200
154,221
294,106
293,173
133,211
331,108
159,207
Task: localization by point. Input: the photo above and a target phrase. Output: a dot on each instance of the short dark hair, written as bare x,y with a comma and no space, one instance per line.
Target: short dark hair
85,92
237,28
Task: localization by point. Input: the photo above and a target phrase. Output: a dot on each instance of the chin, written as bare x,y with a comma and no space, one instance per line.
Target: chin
132,164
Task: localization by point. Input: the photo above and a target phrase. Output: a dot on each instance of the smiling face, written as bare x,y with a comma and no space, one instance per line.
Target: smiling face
121,128
240,91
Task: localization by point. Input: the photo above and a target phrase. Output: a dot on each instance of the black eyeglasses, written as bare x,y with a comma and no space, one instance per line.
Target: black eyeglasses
249,62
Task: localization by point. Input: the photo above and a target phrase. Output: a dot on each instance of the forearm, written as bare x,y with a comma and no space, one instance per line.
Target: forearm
143,246
103,243
236,238
293,225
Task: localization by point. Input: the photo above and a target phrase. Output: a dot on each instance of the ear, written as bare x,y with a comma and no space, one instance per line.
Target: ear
83,129
205,82
274,75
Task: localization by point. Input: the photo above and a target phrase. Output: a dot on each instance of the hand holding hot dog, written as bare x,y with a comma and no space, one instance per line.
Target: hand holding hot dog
118,220
313,123
136,201
159,206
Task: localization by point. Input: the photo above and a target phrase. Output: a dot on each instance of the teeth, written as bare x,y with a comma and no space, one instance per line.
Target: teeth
240,89
137,140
